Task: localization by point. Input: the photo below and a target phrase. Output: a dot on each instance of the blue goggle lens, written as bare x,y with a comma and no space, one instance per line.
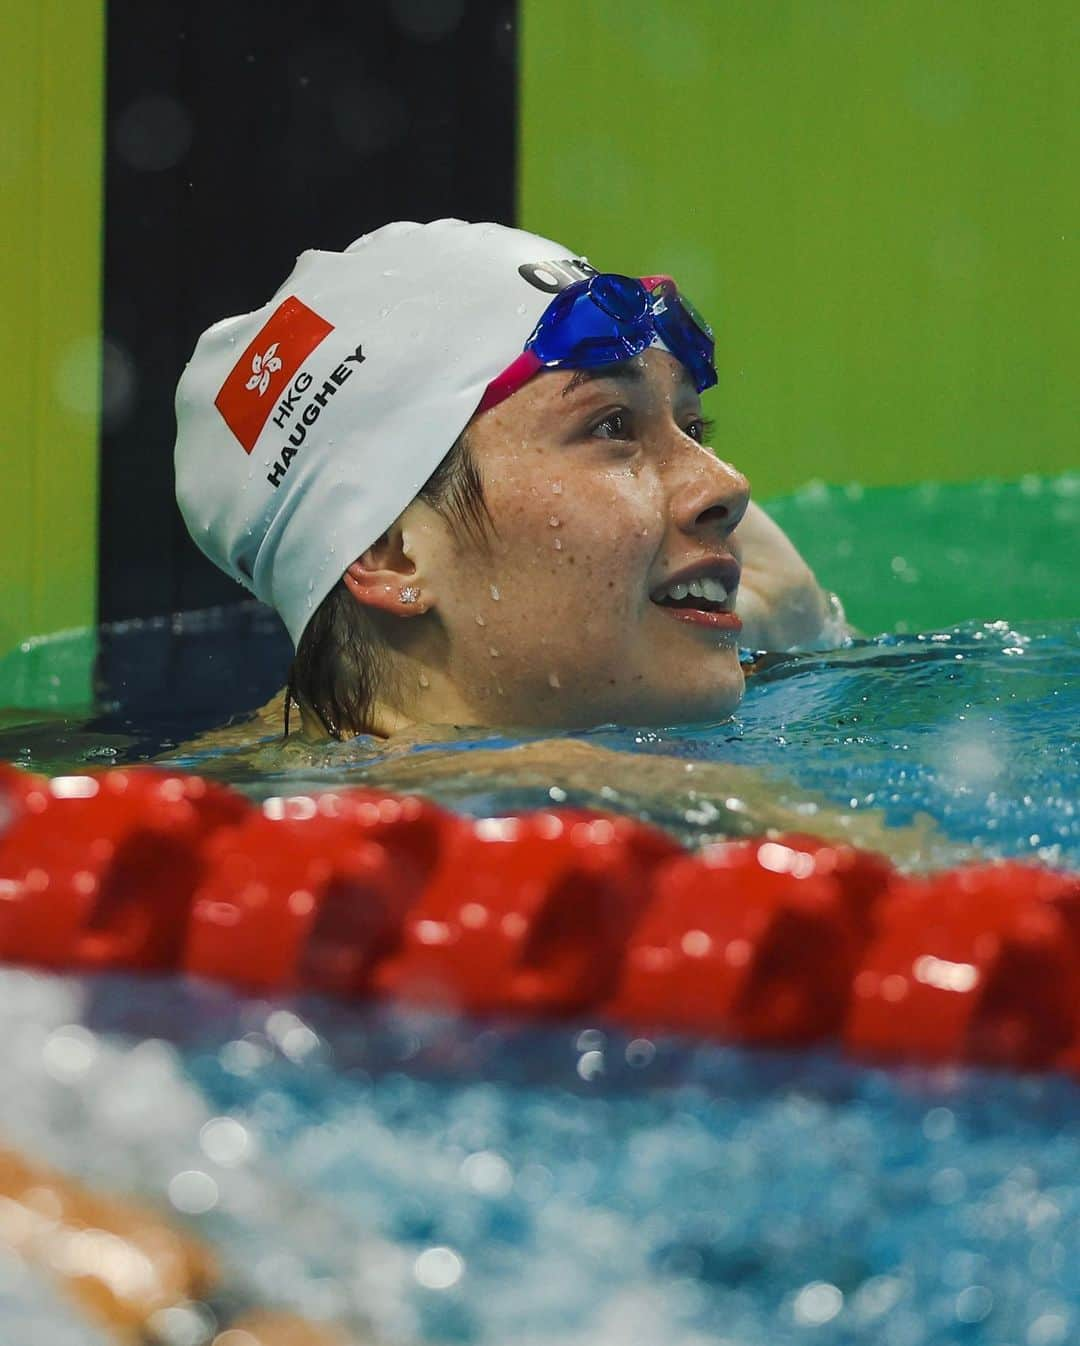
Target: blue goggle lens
609,317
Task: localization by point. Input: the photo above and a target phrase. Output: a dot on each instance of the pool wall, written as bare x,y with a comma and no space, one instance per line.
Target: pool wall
874,204
51,107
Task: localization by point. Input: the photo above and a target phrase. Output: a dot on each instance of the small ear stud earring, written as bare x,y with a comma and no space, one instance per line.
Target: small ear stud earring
409,594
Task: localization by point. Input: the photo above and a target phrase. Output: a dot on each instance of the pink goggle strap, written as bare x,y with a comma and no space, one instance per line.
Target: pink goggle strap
513,377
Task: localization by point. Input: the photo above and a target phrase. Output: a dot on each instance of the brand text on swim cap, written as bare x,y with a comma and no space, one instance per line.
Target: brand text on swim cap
309,414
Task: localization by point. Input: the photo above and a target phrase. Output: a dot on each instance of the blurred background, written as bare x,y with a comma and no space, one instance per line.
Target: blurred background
874,201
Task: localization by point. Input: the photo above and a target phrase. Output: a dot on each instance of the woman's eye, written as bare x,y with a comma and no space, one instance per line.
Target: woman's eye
616,425
701,429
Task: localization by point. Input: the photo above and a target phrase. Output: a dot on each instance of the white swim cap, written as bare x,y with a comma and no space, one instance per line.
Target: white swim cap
305,428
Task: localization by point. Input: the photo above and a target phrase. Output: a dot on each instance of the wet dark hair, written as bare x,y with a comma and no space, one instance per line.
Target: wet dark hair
343,659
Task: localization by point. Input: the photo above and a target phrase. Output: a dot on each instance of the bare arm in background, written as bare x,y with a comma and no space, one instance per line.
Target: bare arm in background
780,601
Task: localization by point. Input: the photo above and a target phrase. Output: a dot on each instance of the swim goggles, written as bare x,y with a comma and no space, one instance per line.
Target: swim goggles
607,318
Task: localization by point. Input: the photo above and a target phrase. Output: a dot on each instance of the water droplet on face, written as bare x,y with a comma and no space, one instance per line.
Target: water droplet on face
558,544
556,488
554,521
495,594
424,680
553,680
480,620
493,652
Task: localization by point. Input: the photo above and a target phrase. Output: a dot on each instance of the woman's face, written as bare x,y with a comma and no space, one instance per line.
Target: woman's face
602,496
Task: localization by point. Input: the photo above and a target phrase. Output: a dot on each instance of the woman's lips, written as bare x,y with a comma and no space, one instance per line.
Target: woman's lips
714,620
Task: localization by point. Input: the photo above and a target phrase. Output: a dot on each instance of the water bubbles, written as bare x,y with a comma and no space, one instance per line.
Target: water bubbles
193,1192
556,488
423,680
639,1053
438,1268
939,1124
876,1297
190,1324
481,620
590,1039
69,1052
1048,1329
590,1065
947,1186
245,1056
817,1303
294,1038
974,1304
554,521
557,543
495,595
487,1173
493,652
553,681
225,1141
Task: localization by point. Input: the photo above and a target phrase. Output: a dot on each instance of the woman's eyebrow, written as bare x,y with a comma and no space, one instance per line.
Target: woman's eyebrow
625,371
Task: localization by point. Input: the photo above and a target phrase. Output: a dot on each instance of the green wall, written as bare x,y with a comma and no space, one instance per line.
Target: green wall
876,202
51,111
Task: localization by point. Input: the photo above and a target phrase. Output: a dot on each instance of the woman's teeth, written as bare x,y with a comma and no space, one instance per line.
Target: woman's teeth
710,590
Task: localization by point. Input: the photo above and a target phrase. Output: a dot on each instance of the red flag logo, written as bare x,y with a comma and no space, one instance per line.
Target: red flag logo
266,368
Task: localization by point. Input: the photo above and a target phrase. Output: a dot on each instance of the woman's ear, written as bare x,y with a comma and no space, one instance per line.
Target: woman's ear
385,577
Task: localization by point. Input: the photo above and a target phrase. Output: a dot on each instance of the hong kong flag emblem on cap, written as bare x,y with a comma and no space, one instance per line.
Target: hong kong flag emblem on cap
266,368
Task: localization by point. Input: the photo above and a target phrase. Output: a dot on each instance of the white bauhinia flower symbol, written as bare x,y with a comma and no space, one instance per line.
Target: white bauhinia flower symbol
262,366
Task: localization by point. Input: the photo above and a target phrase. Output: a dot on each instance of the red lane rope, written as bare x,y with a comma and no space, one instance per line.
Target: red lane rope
781,940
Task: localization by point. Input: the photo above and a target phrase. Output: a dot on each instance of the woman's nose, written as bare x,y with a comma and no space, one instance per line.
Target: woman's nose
713,497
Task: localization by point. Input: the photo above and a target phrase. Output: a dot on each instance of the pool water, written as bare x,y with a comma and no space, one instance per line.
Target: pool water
449,1180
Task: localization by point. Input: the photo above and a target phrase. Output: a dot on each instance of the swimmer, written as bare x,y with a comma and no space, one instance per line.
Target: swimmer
473,476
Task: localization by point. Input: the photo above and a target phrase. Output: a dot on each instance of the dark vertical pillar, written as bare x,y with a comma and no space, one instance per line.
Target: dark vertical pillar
238,136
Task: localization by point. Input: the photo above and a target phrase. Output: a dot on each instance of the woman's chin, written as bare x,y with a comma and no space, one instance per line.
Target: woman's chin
690,706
